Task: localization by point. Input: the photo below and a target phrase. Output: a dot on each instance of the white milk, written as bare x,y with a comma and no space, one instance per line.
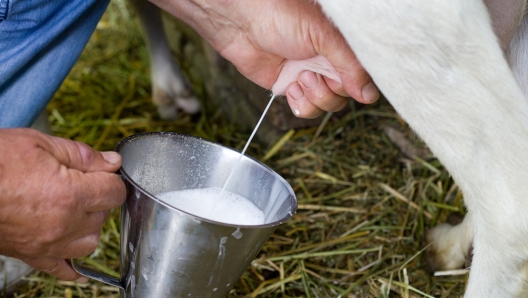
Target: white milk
215,204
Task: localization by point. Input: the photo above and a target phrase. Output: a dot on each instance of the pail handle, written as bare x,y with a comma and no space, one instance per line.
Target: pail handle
102,277
93,274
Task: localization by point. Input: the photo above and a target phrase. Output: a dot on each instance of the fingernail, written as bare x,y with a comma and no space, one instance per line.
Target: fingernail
111,157
370,92
82,280
296,92
308,79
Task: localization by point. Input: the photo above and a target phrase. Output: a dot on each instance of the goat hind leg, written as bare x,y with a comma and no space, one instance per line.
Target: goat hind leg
440,65
448,246
170,90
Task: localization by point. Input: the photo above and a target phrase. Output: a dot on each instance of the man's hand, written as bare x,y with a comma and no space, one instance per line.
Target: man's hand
258,37
55,195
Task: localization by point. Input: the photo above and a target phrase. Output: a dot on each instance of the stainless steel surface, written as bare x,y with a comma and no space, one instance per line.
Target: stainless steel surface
166,252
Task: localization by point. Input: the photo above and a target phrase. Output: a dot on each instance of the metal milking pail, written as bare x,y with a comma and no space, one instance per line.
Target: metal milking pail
166,252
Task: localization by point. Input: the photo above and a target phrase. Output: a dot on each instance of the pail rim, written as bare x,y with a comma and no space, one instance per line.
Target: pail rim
293,199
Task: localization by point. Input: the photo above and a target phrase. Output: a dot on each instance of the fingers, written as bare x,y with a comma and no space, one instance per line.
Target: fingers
300,104
357,82
310,96
76,238
79,156
59,265
99,191
59,268
83,240
90,174
325,92
57,194
81,247
318,92
336,87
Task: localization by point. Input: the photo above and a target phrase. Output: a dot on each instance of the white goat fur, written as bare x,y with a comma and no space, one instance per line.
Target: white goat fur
440,65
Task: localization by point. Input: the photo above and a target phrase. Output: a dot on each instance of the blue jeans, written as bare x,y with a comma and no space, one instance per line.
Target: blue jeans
40,40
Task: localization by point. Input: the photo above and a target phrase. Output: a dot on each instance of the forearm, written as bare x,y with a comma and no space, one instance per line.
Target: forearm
216,21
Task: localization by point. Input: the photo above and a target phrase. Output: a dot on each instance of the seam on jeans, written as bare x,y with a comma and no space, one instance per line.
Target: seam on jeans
4,5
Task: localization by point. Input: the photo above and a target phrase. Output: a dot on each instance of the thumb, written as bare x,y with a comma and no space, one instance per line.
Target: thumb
79,156
355,79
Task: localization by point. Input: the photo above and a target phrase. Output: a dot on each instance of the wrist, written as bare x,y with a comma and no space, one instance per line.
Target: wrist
216,21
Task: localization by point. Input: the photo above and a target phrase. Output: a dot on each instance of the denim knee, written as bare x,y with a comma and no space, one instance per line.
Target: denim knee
40,40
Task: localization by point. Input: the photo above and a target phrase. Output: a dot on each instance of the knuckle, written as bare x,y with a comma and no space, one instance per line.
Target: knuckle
86,154
52,267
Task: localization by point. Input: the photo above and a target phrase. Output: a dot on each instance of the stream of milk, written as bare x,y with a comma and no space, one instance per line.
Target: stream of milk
248,141
218,204
213,209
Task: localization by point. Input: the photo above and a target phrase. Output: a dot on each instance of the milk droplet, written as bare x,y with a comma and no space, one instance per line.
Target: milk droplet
237,234
223,240
215,289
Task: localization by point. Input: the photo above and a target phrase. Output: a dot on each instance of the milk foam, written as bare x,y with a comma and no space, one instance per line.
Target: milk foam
215,204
